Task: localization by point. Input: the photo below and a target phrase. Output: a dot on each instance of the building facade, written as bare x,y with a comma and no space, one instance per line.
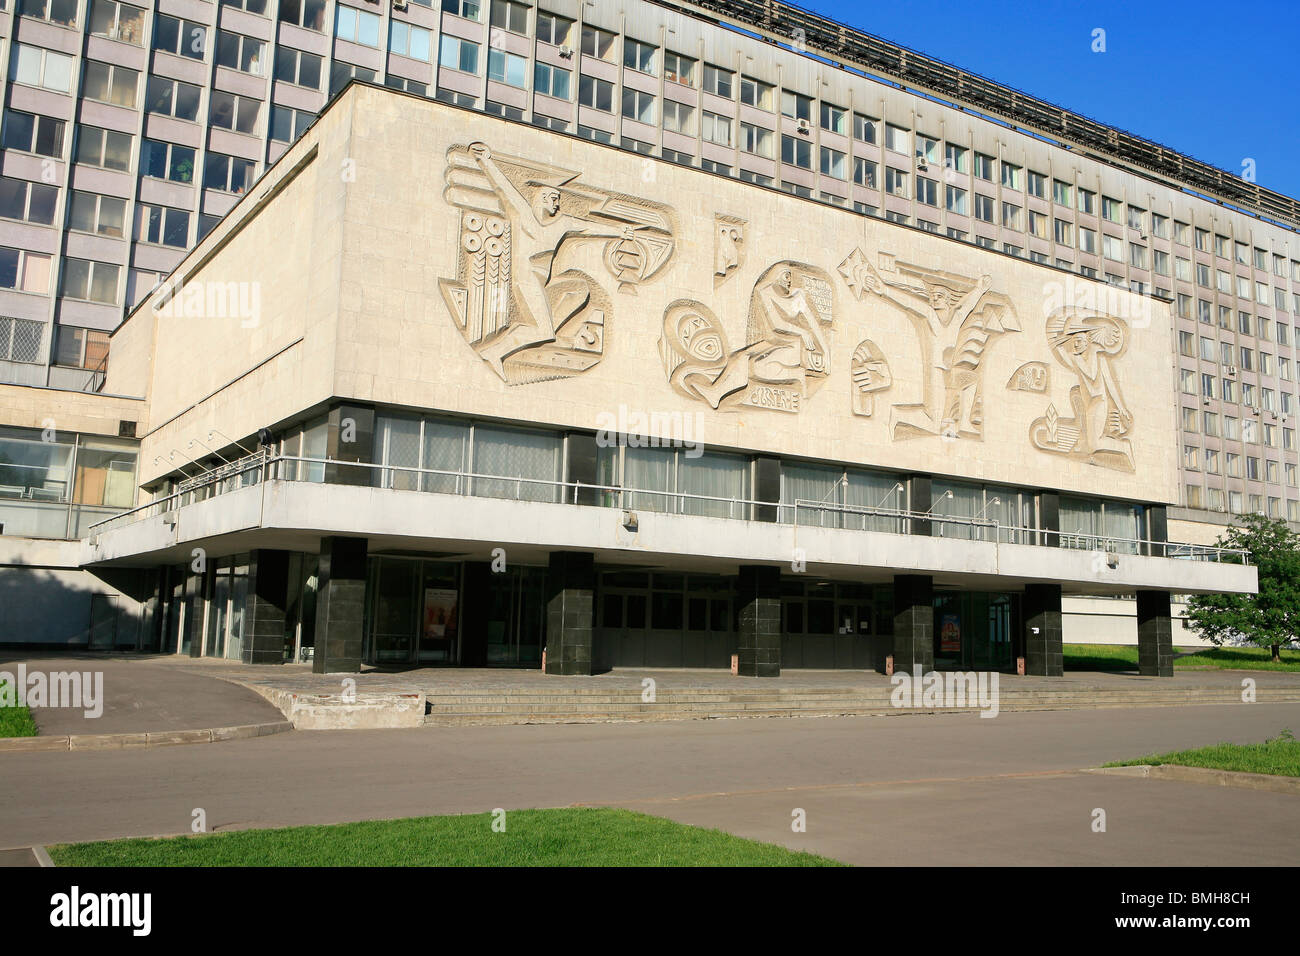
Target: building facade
112,110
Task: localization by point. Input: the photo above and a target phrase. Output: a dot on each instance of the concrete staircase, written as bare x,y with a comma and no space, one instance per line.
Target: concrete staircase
467,707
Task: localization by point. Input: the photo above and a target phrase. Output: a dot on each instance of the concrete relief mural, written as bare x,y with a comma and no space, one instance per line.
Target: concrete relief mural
870,375
529,313
729,249
1030,377
1087,344
784,358
956,318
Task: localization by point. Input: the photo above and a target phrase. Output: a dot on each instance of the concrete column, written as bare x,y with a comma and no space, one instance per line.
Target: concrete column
196,605
919,500
759,644
1155,634
340,605
1043,649
570,611
767,487
913,623
264,609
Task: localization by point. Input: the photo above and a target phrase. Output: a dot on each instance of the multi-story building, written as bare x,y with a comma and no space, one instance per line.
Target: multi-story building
129,131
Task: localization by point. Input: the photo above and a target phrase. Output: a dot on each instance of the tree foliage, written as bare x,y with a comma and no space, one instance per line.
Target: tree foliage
1270,618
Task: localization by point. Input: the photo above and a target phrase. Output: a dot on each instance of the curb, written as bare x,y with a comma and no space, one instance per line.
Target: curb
42,856
1207,776
159,738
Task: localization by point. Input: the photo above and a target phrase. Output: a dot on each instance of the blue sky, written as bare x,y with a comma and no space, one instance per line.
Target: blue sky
1215,81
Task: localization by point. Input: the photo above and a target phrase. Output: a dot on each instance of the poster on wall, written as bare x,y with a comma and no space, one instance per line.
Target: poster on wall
440,613
950,634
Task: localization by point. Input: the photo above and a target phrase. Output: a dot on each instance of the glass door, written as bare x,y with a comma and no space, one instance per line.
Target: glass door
439,613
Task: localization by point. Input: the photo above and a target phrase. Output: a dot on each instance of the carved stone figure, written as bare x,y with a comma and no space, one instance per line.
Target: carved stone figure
1087,343
729,250
1030,377
956,318
528,316
784,358
870,375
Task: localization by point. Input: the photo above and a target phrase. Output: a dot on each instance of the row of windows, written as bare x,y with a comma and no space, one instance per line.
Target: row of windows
1234,502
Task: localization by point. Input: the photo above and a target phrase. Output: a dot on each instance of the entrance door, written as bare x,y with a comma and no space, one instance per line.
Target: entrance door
516,618
439,613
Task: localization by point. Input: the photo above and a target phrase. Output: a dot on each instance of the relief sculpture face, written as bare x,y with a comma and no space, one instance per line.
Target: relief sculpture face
515,299
784,359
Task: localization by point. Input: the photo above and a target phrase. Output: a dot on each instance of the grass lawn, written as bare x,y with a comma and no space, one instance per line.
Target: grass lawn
16,722
1279,755
1109,657
579,837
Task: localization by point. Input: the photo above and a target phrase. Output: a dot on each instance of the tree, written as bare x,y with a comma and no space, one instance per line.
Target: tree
1270,618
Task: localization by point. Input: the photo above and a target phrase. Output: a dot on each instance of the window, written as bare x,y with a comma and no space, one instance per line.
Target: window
679,69
1061,192
296,67
1186,343
756,140
510,16
1037,224
457,54
27,202
1063,232
598,94
1036,184
1202,240
1160,262
834,163
1191,458
245,54
1243,323
718,81
597,43
237,113
983,208
61,12
984,166
501,109
796,106
864,128
796,152
1011,249
80,348
1112,248
1087,240
552,28
257,7
34,66
1182,233
21,339
551,80
507,68
227,173
1232,462
1183,304
1159,226
897,139
638,105
1110,209
468,9
117,21
895,181
408,40
309,14
163,225
756,93
955,200
898,217
927,191
1189,419
167,161
288,124
957,234
927,149
1210,424
104,215
1088,202
639,56
1211,461
356,26
596,135
341,73
716,129
679,118
182,37
109,83
1010,176
1010,215
24,271
864,173
172,98
1136,217
1207,385
1137,256
1187,381
90,280
105,148
954,157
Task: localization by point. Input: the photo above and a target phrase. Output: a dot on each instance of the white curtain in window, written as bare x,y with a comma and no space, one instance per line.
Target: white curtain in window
811,483
1080,522
717,476
967,501
444,450
649,469
399,444
516,454
868,490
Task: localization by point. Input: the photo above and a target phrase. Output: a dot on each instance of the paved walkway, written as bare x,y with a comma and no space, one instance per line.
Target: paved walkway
143,695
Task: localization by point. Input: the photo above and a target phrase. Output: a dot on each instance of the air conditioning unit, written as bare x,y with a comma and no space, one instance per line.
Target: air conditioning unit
1253,409
399,4
1112,559
1231,370
566,52
803,127
1205,402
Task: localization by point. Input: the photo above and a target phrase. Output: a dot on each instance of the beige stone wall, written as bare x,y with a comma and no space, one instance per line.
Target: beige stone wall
23,406
398,342
1196,532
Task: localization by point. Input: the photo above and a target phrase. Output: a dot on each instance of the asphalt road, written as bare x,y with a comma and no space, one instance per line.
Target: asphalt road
949,789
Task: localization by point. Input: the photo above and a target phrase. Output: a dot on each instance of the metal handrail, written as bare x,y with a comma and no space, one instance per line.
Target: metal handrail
266,463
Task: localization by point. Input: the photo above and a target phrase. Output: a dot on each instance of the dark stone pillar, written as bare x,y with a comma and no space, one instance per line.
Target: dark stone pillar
767,487
919,495
1044,649
570,611
1155,634
351,437
913,623
474,614
1157,530
264,610
196,600
340,605
759,640
580,469
1049,518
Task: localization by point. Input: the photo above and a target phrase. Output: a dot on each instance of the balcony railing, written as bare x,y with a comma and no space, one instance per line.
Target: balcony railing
264,466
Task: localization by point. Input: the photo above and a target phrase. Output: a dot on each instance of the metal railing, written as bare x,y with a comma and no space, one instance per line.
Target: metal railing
263,465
